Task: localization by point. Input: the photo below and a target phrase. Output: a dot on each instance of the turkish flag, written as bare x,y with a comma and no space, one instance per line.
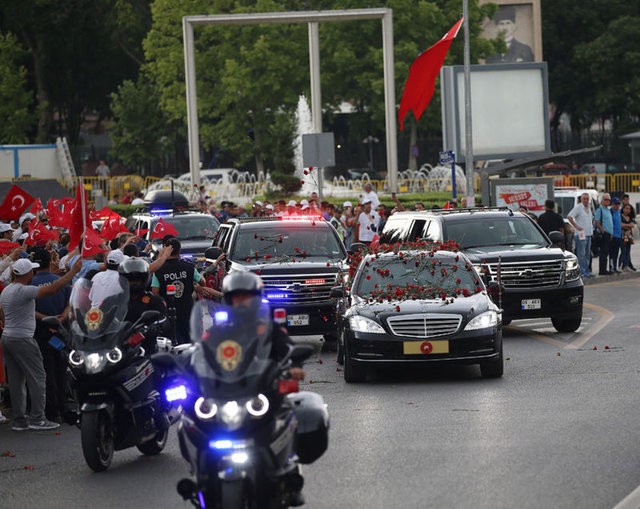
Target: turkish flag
36,208
91,244
77,227
59,212
421,83
162,228
112,226
39,234
7,247
15,203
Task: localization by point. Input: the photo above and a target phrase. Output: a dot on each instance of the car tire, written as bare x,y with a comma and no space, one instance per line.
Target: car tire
353,373
340,357
506,322
330,343
567,324
493,368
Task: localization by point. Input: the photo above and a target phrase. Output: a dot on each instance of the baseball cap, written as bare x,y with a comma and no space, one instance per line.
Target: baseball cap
23,266
365,201
258,203
304,202
268,206
292,203
41,256
615,200
4,227
346,204
115,257
26,216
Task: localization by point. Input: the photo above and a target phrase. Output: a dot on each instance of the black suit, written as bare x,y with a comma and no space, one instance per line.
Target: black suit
516,52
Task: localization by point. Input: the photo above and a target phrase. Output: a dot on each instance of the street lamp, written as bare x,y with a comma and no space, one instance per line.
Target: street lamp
371,140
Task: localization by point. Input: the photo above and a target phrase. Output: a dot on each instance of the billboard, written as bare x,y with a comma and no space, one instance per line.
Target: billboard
509,109
522,192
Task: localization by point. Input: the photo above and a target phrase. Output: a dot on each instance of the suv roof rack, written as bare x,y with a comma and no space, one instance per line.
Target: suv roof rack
276,218
460,210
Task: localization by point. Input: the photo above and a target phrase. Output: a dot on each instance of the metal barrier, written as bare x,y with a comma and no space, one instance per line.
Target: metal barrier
626,182
109,187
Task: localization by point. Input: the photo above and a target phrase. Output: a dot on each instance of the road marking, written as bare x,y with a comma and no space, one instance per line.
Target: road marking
605,317
631,501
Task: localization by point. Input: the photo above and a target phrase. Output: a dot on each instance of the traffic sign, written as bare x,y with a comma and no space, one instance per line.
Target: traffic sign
447,157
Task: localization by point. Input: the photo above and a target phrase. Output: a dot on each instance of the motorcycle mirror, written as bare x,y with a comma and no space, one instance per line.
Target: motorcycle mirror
163,360
53,322
149,316
298,353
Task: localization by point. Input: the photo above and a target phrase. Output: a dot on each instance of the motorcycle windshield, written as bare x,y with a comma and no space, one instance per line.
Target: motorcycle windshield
234,346
98,314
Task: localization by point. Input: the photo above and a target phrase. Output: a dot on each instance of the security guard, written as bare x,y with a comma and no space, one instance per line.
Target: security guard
136,271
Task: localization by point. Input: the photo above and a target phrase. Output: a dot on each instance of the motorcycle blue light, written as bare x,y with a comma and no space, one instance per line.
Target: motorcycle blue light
225,444
177,393
221,316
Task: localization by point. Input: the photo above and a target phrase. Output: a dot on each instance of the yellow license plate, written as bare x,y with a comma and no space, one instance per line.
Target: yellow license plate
424,347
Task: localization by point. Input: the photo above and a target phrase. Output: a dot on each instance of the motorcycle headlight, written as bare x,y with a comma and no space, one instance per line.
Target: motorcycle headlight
257,406
76,358
483,321
205,409
114,356
364,324
231,413
572,269
94,362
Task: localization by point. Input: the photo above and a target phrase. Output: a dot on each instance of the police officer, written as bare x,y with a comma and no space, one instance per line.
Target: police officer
136,271
185,279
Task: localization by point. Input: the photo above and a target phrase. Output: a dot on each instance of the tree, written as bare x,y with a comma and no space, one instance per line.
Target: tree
140,129
17,116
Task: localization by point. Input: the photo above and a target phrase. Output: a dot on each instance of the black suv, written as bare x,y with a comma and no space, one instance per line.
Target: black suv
539,280
299,260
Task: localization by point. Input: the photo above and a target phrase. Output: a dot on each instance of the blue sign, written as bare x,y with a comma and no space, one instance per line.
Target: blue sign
447,157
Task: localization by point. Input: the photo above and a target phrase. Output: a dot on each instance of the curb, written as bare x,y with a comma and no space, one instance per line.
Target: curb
610,279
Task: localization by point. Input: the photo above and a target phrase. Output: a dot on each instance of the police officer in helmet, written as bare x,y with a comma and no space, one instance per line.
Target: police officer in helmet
136,271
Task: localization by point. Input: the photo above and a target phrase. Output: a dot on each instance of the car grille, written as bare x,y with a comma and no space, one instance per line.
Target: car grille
424,326
528,275
298,289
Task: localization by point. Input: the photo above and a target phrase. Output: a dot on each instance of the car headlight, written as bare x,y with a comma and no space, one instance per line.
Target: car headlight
363,324
483,321
94,362
572,268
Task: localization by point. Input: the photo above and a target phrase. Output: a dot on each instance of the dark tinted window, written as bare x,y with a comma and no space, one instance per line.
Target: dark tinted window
194,227
499,231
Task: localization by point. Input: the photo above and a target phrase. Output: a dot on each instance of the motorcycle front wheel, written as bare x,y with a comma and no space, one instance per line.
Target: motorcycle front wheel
155,445
97,440
233,495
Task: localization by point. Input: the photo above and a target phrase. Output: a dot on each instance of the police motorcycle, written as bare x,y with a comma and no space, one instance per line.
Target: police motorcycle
114,382
244,428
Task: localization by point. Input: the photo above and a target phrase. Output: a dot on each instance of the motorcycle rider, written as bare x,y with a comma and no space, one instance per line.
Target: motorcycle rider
136,271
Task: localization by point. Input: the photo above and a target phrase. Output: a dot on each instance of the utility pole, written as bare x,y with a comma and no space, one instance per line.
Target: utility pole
468,148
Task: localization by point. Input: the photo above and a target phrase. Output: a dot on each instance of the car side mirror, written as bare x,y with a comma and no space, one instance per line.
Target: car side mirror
357,247
556,237
337,292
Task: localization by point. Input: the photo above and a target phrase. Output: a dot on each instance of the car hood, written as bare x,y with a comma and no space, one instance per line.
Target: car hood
513,254
465,306
306,266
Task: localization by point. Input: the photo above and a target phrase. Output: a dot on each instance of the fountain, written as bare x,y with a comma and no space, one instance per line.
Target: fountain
303,126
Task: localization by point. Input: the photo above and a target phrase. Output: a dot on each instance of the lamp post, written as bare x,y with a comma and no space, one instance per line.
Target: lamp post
371,140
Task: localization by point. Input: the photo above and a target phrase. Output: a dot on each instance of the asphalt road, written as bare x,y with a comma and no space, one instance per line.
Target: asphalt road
561,429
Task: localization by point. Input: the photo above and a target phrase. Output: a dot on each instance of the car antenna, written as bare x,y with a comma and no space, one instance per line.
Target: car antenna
173,201
499,280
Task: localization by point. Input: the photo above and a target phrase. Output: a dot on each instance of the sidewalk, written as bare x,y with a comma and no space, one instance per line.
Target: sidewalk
635,260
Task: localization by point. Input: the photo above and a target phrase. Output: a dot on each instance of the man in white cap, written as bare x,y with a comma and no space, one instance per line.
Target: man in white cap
6,232
20,350
107,283
370,194
24,221
368,223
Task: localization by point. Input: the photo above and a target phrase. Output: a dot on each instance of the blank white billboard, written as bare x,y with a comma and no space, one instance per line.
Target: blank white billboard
509,110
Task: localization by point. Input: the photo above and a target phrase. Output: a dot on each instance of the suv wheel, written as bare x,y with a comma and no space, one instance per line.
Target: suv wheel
567,324
353,373
493,368
340,359
330,343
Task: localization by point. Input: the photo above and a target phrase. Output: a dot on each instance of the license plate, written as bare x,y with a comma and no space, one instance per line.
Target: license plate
424,347
531,304
297,320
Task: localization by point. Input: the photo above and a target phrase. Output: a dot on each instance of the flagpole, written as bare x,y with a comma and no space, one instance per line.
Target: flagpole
468,157
84,213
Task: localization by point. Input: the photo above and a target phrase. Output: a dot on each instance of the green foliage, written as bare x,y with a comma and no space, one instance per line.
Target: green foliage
16,100
124,210
139,133
288,183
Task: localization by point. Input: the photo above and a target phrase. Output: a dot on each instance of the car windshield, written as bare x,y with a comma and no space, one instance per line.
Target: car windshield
417,276
288,243
192,227
516,230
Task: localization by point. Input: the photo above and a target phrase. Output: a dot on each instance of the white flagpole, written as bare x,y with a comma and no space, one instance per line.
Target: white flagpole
84,214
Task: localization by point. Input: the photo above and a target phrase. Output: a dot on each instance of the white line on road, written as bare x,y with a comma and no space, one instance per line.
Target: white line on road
631,501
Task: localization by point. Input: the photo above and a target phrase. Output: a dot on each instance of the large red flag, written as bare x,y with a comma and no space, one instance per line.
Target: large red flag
162,228
421,83
6,246
77,226
36,208
112,225
92,243
15,203
59,212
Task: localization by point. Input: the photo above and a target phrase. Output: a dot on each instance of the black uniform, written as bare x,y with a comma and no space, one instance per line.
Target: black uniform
146,301
181,274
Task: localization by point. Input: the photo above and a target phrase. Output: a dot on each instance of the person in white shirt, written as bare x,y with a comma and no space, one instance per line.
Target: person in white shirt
368,223
581,219
107,283
370,194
